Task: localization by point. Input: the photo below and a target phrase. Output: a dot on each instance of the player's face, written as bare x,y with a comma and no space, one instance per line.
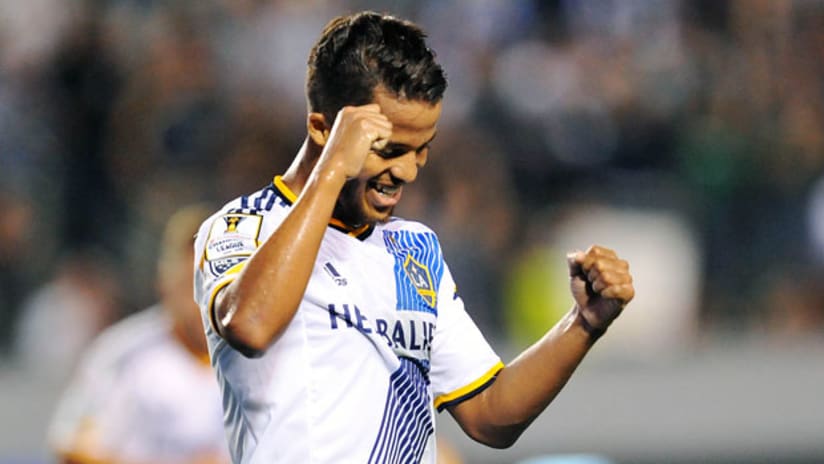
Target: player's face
371,197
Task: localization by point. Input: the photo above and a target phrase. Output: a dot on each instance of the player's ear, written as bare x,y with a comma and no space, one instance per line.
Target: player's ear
317,128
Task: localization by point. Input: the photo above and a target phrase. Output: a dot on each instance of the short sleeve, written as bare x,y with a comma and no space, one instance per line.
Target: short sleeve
463,363
223,245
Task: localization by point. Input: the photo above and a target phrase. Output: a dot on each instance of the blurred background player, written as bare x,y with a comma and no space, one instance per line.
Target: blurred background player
144,391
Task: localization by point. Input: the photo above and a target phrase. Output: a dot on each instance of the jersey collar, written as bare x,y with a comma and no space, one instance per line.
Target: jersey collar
361,233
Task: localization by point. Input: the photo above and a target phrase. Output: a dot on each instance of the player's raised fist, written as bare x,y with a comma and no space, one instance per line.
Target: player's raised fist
357,130
601,285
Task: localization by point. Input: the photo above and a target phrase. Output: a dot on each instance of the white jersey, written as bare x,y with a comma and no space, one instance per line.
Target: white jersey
140,396
380,341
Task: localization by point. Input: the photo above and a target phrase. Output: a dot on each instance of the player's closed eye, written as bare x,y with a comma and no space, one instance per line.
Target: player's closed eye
394,152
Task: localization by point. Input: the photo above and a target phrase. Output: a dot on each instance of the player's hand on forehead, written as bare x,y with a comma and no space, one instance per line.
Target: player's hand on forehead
357,130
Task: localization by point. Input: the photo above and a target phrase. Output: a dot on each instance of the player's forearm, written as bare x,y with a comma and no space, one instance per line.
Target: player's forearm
255,309
528,384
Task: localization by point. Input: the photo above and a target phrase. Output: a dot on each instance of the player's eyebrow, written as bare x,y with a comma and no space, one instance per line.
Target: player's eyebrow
404,148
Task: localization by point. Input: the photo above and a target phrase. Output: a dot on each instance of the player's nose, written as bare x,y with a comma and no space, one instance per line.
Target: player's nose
405,167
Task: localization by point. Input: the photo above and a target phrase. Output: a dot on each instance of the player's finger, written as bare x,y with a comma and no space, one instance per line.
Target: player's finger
612,274
598,285
574,259
623,292
380,120
378,131
591,256
362,113
595,269
377,122
371,108
603,264
618,264
608,279
604,281
598,250
379,143
382,138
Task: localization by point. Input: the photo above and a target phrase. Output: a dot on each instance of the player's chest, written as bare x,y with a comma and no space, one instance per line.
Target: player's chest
386,295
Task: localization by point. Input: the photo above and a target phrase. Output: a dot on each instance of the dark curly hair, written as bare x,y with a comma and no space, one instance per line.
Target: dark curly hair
355,54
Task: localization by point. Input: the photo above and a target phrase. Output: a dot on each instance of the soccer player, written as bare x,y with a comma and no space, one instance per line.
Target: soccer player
334,327
145,392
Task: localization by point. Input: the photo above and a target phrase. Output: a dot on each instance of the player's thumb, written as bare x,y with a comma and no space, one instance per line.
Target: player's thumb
574,259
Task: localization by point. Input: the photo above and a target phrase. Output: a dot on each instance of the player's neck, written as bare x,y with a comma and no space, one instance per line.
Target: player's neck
301,168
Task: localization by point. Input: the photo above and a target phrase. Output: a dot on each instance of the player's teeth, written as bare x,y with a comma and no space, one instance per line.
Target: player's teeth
385,189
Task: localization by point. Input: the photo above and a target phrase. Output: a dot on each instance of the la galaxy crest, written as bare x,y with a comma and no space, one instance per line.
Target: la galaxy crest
418,269
421,278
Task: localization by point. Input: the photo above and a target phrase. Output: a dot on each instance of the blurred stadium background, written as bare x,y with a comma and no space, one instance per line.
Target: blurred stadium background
687,135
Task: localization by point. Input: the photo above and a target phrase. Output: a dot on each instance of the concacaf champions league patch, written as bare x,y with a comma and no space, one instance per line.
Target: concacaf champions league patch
232,239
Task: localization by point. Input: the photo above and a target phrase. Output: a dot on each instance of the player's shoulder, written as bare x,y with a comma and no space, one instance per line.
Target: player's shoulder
262,201
258,203
244,214
132,336
400,231
396,223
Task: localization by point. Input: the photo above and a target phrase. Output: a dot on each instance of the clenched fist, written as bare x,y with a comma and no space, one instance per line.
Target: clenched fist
601,285
357,130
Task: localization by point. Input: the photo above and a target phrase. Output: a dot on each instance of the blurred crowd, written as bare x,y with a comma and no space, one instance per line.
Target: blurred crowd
696,126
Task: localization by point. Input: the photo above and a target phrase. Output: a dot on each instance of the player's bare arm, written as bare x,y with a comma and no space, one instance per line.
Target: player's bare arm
601,285
254,309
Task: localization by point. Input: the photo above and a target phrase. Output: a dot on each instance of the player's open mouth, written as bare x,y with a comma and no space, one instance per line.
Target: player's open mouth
385,195
387,190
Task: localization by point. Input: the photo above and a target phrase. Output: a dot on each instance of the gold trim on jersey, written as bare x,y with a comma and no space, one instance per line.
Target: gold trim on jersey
338,224
359,232
224,282
204,359
471,388
82,457
284,189
84,446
